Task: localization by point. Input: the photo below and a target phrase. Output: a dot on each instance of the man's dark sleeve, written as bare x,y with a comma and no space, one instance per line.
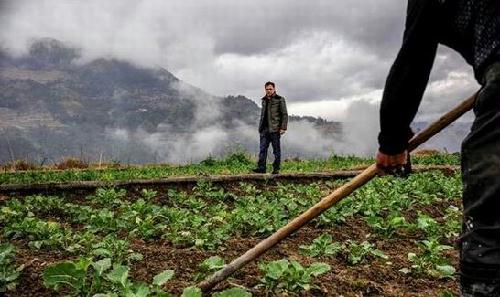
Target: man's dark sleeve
408,77
262,118
284,114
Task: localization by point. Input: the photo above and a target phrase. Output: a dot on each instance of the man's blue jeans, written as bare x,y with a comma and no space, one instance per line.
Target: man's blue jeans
267,138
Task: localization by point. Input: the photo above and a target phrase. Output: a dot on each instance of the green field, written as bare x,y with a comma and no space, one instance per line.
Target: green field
393,237
236,163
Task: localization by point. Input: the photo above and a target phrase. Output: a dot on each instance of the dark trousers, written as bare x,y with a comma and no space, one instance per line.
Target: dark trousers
267,138
480,240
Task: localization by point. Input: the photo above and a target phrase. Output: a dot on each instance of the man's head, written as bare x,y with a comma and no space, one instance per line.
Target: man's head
270,88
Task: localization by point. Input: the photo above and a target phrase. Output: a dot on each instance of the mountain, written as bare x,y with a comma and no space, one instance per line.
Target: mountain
52,105
107,93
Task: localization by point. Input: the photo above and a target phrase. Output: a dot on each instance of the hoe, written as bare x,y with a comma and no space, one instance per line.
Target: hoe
330,200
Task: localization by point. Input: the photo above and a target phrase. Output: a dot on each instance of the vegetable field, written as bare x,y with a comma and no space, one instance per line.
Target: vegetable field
235,163
393,237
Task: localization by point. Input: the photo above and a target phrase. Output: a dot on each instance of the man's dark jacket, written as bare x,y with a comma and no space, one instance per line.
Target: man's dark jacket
274,111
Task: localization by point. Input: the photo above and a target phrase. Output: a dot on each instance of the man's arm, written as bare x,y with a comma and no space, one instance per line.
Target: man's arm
262,115
408,77
284,115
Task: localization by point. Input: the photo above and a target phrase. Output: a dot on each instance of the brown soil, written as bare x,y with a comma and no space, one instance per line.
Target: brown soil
376,277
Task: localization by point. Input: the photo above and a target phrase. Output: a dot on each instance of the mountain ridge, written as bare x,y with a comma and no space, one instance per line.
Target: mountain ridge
51,106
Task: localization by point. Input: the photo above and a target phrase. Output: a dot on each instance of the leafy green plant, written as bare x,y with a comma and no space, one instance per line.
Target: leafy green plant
146,227
191,292
85,277
82,243
429,225
285,276
116,249
233,292
39,233
340,212
108,196
73,276
14,210
148,194
321,246
249,189
238,158
44,204
8,270
437,159
430,261
209,265
359,252
387,226
209,161
104,220
452,222
208,192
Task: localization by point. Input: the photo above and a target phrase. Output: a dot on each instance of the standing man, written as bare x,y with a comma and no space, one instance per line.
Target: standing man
472,28
273,124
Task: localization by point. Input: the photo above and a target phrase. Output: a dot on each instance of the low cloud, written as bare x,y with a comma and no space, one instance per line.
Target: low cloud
329,59
325,51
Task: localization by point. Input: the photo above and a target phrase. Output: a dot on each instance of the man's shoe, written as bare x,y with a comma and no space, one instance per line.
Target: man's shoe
257,170
275,172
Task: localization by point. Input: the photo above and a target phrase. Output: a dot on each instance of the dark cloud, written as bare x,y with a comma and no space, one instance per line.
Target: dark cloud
251,28
316,50
6,6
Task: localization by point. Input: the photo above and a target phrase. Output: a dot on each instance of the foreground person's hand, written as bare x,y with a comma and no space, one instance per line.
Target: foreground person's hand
398,164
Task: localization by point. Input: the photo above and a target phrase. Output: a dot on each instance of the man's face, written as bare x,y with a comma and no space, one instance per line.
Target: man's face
269,90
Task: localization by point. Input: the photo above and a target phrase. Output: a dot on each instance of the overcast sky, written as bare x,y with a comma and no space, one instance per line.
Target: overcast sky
328,57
